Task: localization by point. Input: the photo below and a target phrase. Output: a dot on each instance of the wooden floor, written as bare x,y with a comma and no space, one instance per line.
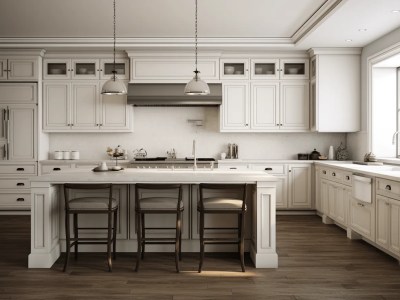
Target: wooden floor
316,262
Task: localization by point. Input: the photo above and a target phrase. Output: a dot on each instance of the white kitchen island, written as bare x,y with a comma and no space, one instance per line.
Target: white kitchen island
46,200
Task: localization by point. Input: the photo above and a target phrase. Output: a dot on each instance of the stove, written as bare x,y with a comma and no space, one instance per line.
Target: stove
164,162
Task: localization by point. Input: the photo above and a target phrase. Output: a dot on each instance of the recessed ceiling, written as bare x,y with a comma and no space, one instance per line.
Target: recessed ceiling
261,22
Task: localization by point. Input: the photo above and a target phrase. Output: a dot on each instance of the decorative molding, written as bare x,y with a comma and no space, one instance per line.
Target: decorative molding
22,52
335,50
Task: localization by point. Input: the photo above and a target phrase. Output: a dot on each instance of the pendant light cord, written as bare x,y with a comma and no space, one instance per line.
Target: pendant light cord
195,38
114,72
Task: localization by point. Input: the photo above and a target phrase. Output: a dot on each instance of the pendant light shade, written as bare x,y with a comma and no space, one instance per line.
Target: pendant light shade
196,86
114,86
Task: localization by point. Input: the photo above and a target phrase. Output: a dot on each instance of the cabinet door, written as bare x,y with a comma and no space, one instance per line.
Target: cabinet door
362,218
317,182
84,96
234,69
3,69
56,69
235,108
331,199
265,106
324,197
121,67
85,69
394,226
300,186
3,122
313,106
342,202
264,69
382,221
294,106
22,69
22,132
56,108
281,192
294,68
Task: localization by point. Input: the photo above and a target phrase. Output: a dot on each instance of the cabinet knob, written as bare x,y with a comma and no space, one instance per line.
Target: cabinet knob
333,174
347,177
323,172
387,203
277,124
247,124
388,187
20,184
20,199
20,169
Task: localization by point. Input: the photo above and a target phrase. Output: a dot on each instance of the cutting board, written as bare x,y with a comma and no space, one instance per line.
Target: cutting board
368,163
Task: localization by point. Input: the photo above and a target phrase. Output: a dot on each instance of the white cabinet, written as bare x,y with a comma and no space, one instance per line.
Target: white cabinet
78,106
291,68
362,218
271,106
382,221
24,92
19,69
300,186
172,69
234,69
84,68
235,108
335,90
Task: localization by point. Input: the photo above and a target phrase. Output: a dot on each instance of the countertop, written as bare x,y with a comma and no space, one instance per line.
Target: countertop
385,171
127,176
264,161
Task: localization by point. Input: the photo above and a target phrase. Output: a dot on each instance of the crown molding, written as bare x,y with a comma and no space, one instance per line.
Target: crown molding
335,51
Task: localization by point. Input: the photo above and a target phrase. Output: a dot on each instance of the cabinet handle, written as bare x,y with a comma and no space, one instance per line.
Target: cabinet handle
20,184
323,172
233,168
20,199
388,187
101,124
247,124
334,174
290,170
387,203
268,169
56,169
347,177
359,204
20,169
72,124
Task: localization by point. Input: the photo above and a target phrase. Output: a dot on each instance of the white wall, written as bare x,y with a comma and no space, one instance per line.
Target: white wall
358,142
158,129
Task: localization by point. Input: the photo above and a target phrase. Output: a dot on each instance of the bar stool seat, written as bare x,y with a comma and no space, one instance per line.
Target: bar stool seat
222,205
91,203
158,205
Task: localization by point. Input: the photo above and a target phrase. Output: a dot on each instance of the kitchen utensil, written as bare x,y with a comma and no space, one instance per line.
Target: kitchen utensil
302,156
233,151
229,69
315,155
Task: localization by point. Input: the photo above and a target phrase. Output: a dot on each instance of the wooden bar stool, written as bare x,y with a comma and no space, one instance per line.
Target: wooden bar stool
158,205
90,205
222,205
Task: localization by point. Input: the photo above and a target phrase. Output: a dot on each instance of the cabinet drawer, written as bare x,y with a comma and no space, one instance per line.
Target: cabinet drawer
270,168
15,184
233,166
18,169
388,188
46,169
15,201
325,173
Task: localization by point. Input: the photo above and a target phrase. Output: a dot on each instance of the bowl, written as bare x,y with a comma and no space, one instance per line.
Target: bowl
258,70
269,72
292,70
90,72
239,72
229,69
55,71
82,70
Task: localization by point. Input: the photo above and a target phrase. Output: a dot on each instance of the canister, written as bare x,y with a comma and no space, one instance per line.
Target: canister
74,154
58,154
67,154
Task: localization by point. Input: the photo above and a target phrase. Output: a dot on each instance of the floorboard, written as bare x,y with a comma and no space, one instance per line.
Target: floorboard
316,261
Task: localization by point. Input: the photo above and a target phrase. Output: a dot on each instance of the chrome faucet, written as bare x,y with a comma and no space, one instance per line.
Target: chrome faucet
194,155
394,137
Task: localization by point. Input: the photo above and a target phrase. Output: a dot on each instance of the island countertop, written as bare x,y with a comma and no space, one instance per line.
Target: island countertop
129,176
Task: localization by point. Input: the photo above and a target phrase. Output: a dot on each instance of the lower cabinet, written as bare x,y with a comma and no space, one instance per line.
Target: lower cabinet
336,201
362,218
388,223
300,186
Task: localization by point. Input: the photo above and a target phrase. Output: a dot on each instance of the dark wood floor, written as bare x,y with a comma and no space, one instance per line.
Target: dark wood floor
316,262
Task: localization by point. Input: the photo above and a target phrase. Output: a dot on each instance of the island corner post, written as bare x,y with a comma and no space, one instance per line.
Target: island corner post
45,216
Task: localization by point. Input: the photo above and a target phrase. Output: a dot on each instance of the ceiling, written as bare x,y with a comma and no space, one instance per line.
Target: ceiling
299,24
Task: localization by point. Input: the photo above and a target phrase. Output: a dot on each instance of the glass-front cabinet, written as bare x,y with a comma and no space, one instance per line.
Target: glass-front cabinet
84,68
264,69
234,68
294,68
290,68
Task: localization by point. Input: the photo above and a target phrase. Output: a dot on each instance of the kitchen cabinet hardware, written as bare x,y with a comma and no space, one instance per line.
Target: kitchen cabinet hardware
20,199
268,169
388,187
233,168
323,172
387,203
347,177
247,124
20,184
360,204
56,169
20,169
290,170
333,174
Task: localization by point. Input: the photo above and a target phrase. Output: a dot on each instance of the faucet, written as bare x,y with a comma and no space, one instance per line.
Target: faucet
394,137
194,155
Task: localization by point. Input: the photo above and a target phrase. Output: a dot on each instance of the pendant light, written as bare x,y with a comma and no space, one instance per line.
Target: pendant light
196,86
114,86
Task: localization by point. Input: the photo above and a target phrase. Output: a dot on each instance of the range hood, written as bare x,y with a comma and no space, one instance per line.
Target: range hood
171,94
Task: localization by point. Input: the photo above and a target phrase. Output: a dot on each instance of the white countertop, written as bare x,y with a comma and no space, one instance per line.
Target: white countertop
82,161
385,171
128,176
264,161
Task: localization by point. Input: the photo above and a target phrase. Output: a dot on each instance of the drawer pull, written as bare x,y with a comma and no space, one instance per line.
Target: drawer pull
20,199
233,168
268,169
323,172
347,177
20,184
333,174
20,169
388,187
56,169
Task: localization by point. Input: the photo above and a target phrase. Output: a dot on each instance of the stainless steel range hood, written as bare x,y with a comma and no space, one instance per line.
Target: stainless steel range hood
171,94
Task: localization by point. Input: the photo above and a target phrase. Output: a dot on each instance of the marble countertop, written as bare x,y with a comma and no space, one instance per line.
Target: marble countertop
385,171
127,176
264,161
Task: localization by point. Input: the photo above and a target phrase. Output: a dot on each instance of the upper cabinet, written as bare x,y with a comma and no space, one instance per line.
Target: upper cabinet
290,68
234,69
18,69
335,90
84,68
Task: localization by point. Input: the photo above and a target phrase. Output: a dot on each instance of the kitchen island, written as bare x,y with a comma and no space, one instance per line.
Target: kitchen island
46,200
